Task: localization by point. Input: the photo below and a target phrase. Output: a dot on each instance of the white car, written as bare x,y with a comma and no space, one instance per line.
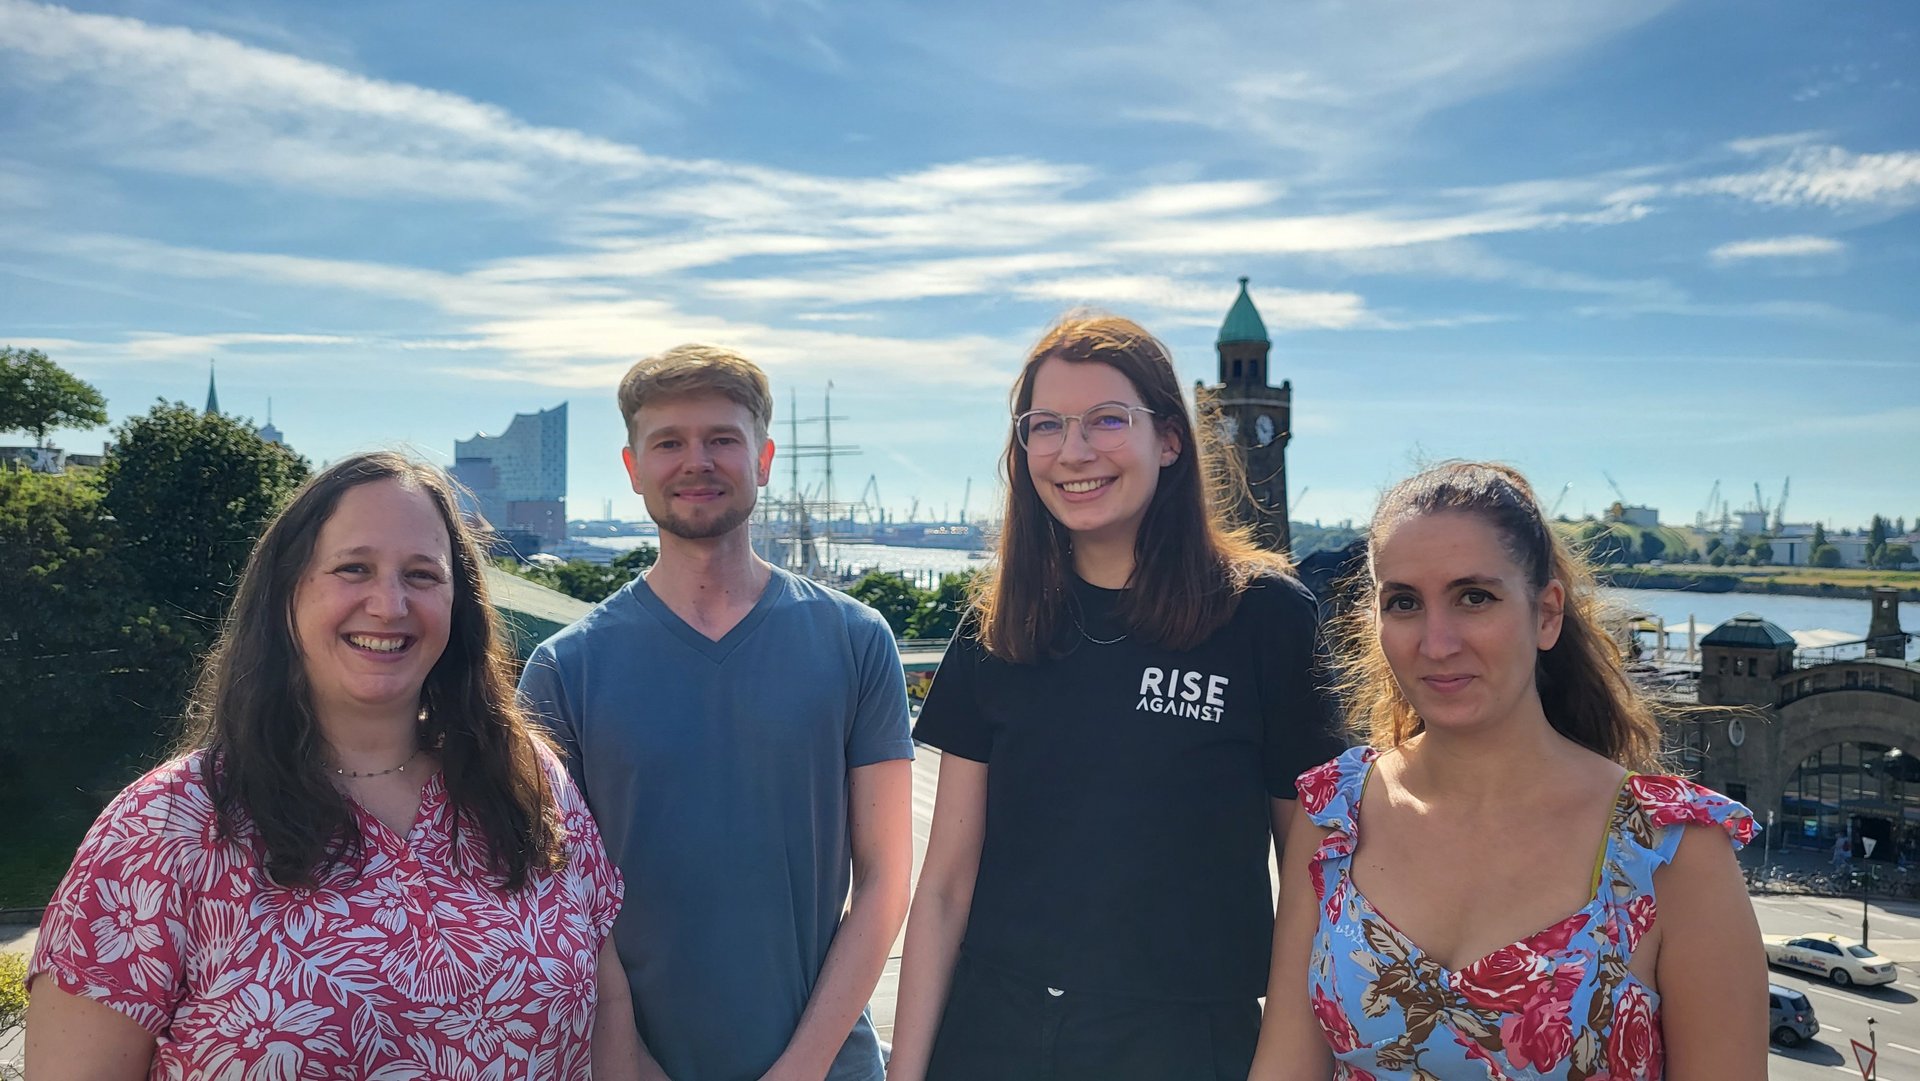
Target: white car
1842,960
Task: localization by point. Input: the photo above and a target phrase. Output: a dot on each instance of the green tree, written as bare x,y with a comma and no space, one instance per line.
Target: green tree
37,396
191,493
939,615
1651,546
1762,553
891,595
64,629
1819,536
1824,555
1898,554
1877,532
1718,558
1714,544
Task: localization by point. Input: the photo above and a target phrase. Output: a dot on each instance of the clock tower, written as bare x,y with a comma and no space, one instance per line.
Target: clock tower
1253,418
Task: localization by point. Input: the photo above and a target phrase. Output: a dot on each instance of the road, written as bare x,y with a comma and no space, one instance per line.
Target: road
1895,933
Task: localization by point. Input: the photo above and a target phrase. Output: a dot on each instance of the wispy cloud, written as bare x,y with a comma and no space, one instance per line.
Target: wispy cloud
1826,176
1332,83
196,103
1779,247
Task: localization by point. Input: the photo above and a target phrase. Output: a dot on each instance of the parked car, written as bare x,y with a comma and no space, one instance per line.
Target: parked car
1790,1020
1842,960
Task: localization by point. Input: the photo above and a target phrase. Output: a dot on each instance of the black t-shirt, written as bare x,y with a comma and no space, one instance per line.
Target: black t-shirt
1127,828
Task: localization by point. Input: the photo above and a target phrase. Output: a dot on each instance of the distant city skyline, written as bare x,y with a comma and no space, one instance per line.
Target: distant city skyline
1569,236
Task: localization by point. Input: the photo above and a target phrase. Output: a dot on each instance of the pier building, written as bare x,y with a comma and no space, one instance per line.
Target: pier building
1825,744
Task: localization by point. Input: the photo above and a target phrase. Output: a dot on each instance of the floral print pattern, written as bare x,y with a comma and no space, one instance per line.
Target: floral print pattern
1559,1005
402,965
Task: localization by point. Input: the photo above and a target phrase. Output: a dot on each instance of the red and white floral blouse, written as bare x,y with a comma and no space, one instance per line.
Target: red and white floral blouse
401,965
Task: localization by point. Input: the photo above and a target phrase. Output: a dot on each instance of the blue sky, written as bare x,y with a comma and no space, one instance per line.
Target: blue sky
1674,242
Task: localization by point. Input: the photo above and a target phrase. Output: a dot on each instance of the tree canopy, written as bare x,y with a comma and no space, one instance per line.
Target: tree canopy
37,396
191,493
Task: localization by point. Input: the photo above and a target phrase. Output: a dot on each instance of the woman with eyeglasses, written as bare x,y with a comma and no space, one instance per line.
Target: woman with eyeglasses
1120,719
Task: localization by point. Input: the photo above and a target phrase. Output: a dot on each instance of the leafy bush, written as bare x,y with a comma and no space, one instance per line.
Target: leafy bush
13,994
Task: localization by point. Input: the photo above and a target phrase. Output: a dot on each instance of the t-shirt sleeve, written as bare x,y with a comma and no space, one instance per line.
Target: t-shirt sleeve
879,732
598,882
1297,703
116,929
543,694
951,718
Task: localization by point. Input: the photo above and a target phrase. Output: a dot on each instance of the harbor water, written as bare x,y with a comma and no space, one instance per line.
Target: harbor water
1814,621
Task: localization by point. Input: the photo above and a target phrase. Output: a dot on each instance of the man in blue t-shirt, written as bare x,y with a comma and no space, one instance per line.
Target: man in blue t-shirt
741,736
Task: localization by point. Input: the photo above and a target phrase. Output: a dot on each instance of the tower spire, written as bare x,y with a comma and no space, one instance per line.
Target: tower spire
213,397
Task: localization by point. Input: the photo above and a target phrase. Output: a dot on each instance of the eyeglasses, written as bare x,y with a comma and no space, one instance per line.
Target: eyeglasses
1104,427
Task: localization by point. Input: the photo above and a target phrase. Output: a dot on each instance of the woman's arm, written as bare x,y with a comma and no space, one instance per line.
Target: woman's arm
938,917
1711,971
70,1038
1292,1047
617,1052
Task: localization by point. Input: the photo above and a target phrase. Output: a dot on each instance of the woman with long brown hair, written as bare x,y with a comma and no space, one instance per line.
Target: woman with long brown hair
367,863
1121,718
1492,887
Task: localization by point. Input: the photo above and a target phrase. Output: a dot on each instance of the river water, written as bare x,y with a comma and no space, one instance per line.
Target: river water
1814,621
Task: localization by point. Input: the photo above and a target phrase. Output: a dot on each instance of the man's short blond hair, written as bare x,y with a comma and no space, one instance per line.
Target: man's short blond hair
687,371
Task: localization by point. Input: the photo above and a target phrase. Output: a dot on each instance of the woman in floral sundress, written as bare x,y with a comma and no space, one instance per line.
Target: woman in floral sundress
1491,889
368,866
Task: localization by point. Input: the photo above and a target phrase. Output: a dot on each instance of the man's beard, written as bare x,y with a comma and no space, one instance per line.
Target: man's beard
699,530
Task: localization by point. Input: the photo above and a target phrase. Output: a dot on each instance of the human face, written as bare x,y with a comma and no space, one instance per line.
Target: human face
1457,623
1097,494
374,604
697,464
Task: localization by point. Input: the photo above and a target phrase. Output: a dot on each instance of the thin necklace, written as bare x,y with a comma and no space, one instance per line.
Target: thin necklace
1075,612
401,768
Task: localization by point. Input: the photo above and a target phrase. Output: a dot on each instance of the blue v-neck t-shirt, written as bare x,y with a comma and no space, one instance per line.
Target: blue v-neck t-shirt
717,772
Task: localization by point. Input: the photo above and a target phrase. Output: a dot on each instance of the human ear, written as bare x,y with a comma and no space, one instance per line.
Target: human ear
1551,607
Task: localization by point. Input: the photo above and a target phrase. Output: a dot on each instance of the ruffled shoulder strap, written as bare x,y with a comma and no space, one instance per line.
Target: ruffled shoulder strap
1663,802
1330,792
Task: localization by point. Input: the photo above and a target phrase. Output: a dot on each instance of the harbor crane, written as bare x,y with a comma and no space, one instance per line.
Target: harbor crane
966,498
1559,499
870,500
1780,508
1615,485
1706,514
1295,508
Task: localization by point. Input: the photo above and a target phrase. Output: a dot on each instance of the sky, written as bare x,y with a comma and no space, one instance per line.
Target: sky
1666,243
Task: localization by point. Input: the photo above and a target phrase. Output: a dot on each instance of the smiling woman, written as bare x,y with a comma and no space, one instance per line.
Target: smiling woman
1120,718
366,862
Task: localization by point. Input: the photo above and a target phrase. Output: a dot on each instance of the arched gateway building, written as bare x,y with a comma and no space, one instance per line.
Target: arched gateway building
1829,748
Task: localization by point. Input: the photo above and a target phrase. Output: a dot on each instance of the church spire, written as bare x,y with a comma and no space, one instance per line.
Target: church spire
213,397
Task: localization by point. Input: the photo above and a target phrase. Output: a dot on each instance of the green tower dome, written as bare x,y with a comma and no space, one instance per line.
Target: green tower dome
1243,322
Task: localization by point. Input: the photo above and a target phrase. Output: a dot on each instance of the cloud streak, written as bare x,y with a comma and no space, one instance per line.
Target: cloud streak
1779,247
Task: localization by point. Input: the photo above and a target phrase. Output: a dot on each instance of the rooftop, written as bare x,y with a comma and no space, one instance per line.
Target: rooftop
1243,322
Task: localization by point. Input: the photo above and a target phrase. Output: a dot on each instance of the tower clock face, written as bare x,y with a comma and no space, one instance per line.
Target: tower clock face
1263,429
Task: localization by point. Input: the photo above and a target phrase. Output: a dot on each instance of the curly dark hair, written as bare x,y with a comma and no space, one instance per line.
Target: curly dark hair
252,711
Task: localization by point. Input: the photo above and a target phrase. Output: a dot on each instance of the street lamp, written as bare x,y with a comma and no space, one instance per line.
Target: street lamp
1866,880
